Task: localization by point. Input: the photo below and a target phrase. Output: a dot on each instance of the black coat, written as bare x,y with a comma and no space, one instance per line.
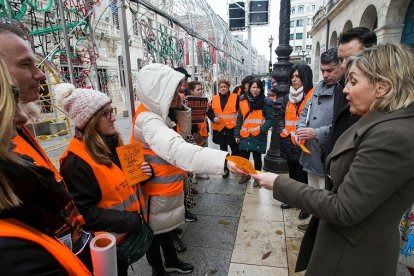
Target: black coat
225,133
342,119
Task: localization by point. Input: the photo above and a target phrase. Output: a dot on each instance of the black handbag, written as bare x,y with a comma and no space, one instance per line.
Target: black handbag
136,244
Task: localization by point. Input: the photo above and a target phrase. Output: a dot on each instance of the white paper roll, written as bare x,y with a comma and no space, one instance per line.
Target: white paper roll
103,252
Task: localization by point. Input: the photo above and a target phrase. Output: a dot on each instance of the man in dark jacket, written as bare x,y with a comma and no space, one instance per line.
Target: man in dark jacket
350,42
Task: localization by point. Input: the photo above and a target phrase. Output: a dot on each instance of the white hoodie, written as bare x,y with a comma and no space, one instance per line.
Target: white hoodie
156,87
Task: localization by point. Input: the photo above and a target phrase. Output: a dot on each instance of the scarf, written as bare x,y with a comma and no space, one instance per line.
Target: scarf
295,96
255,103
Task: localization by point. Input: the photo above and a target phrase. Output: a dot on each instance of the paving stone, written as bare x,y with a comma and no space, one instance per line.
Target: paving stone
218,205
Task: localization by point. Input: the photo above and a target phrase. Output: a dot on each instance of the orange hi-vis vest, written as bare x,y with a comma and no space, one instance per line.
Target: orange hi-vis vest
117,194
202,128
292,116
168,179
252,122
38,155
15,229
229,114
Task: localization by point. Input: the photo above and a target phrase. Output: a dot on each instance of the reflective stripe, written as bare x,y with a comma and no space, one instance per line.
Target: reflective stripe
166,179
290,123
250,129
227,116
256,121
155,159
125,204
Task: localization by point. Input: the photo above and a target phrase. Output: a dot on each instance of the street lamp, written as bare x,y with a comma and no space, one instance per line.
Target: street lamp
270,60
302,53
272,160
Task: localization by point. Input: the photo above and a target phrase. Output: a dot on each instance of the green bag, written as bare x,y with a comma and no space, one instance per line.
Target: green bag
136,244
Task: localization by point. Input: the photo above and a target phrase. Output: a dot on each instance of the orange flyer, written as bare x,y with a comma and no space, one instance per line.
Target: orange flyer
242,163
131,158
220,125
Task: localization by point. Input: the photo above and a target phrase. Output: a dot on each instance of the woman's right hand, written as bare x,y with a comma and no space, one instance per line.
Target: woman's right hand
216,120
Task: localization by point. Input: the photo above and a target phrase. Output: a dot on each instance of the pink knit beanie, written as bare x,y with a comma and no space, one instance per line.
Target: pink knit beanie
80,103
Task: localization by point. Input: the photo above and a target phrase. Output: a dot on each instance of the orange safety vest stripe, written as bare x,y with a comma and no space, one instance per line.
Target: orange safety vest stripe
229,114
252,123
168,179
292,115
38,155
117,194
203,129
15,229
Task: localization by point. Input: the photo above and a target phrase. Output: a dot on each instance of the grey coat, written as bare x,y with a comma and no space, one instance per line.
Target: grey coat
320,109
370,183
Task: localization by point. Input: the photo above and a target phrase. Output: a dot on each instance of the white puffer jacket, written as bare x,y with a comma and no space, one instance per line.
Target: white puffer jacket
156,87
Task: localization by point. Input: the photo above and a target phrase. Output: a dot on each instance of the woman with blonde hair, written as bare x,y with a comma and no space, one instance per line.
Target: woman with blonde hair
369,173
31,204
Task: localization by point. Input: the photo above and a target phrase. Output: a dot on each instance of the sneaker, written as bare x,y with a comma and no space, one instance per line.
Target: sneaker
159,273
303,215
285,206
194,191
203,176
179,266
303,227
179,245
190,217
244,179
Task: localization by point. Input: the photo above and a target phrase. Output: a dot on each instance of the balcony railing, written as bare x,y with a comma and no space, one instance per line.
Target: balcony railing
331,4
318,15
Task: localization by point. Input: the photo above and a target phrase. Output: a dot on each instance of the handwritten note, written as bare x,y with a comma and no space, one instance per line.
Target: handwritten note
131,158
242,163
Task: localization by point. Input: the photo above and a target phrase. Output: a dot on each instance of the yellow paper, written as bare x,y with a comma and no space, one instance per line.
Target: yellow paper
242,163
131,157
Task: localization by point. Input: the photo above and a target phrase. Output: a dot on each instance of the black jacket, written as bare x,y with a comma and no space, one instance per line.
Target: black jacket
342,119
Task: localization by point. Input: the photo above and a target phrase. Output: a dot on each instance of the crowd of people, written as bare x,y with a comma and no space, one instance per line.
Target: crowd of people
346,139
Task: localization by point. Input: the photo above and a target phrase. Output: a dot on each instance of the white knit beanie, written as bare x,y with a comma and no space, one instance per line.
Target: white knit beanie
80,103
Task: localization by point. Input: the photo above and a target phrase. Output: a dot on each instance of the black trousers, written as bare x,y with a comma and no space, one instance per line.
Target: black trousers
153,255
257,157
296,171
234,147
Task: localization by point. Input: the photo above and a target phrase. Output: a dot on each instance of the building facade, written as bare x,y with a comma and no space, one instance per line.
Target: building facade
301,14
392,21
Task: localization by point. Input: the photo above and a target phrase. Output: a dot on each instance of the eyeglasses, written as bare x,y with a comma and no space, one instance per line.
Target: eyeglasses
15,91
108,114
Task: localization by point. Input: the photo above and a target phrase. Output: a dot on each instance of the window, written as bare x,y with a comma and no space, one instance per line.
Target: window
301,10
291,37
309,47
299,23
292,11
313,8
292,24
310,21
115,20
308,35
299,36
298,48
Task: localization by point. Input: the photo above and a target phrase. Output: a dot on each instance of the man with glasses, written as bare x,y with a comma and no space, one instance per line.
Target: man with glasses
20,60
350,43
315,121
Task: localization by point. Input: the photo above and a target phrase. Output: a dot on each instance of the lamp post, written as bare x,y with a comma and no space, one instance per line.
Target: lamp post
302,53
270,60
281,70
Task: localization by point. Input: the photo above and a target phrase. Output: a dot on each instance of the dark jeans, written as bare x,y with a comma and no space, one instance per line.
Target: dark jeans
234,148
163,241
257,157
296,171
